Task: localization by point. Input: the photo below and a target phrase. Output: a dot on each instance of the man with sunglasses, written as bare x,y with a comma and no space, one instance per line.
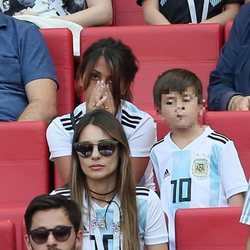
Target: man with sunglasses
53,222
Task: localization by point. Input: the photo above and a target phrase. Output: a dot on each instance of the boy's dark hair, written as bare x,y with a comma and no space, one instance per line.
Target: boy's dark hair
176,80
46,202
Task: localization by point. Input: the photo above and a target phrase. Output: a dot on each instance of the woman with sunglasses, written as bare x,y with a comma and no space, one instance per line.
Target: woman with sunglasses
116,213
106,73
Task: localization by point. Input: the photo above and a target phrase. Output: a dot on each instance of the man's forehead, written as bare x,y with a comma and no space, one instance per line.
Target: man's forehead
50,218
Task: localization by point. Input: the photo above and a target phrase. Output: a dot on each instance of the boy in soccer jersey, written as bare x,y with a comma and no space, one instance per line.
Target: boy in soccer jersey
245,216
194,165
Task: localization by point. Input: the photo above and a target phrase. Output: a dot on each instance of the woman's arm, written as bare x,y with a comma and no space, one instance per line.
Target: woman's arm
98,13
163,246
229,12
152,14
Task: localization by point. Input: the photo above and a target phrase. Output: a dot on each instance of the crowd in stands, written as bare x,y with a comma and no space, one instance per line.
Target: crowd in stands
105,149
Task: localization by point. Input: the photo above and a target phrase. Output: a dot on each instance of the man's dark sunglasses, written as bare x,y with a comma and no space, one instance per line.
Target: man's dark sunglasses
60,233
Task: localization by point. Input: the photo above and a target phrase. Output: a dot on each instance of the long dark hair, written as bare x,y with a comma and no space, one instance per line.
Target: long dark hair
126,188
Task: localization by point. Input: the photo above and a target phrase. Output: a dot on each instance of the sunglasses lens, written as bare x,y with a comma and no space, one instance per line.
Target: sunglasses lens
107,148
61,233
84,150
39,236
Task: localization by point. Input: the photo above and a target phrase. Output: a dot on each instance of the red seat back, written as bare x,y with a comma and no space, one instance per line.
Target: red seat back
60,44
23,161
158,48
23,232
210,228
14,211
162,128
235,125
127,13
8,235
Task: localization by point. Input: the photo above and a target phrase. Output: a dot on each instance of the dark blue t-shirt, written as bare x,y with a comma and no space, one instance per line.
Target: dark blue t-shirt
24,57
232,74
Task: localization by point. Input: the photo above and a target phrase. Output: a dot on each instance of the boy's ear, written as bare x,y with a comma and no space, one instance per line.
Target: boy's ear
202,107
204,104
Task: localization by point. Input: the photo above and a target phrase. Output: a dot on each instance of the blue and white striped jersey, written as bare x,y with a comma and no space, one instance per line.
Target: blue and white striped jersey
203,174
152,224
245,216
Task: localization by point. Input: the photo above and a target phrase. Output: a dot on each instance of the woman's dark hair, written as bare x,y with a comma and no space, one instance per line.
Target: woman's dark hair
121,62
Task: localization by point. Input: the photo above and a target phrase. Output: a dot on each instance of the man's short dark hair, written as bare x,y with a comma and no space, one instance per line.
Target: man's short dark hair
46,202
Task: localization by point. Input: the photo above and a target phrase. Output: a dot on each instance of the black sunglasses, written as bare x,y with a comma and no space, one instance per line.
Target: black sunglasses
85,148
60,233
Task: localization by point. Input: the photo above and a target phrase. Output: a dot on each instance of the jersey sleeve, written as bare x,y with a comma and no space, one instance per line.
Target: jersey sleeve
232,174
154,162
143,138
59,140
245,216
156,229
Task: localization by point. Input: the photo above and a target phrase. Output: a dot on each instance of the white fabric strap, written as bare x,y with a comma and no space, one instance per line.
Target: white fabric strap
205,10
192,10
59,9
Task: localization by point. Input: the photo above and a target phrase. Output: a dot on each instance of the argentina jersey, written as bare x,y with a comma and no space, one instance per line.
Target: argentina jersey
104,227
205,173
245,216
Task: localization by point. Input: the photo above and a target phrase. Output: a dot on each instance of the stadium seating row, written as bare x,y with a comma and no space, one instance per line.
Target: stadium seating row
25,169
158,48
196,229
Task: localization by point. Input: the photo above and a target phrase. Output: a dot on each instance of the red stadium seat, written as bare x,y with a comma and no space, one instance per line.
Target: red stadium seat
162,128
227,29
235,125
24,168
23,232
210,228
158,48
8,235
127,13
14,212
60,44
